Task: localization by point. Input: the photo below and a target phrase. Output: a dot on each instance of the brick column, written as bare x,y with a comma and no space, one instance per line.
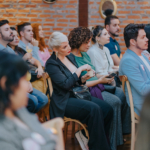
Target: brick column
83,13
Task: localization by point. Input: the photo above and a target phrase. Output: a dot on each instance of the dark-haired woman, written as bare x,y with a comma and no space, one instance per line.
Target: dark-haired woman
79,40
37,100
19,130
99,54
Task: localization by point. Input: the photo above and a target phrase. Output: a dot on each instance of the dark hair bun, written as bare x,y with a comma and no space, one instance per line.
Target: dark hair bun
108,12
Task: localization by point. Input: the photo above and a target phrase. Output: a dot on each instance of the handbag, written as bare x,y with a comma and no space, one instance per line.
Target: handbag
81,92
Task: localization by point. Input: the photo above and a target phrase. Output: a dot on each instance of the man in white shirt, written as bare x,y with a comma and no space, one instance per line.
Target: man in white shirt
135,65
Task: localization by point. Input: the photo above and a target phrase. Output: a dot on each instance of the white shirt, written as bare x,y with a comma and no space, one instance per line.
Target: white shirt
147,54
100,60
145,62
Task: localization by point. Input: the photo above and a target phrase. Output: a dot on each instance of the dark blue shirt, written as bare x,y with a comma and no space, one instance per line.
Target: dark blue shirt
113,47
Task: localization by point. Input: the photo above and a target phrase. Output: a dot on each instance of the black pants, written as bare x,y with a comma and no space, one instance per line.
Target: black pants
97,115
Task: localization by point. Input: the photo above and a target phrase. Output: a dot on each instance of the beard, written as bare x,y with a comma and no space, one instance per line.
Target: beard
113,34
140,48
8,39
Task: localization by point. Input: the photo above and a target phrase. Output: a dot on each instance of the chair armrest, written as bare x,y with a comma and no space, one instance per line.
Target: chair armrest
56,124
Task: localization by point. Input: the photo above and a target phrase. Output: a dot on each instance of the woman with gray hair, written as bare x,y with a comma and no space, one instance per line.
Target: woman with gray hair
65,74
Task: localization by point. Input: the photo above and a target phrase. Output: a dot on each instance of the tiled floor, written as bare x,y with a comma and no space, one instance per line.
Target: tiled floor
72,144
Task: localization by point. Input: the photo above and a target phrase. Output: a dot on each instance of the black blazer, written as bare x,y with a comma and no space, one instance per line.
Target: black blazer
62,80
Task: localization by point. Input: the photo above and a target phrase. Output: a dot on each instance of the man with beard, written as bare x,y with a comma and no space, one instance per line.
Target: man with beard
6,36
112,26
135,65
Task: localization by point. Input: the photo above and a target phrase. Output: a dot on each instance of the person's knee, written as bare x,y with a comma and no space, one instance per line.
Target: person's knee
94,109
32,104
34,100
116,102
43,99
119,92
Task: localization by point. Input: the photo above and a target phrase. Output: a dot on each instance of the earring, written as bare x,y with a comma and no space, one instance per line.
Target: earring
56,54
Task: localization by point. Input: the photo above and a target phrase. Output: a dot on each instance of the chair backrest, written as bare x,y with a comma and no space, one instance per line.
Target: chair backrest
48,79
124,80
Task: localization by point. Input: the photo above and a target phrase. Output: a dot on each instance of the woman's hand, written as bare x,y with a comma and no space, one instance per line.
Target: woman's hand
39,71
115,67
83,68
85,77
86,67
27,56
105,80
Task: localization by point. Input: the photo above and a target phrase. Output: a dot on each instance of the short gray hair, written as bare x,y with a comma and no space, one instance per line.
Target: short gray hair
56,38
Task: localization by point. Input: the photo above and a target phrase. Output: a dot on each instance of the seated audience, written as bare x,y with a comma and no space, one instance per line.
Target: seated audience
147,52
113,28
19,129
79,40
143,134
135,65
65,75
32,62
99,54
37,100
27,42
38,34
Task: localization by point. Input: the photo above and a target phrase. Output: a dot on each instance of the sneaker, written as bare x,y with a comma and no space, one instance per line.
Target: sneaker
83,141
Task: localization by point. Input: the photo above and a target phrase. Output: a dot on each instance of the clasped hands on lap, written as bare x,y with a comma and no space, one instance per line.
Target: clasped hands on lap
91,73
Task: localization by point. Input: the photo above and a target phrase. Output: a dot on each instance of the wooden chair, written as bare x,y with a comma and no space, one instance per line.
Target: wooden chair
47,79
134,116
56,125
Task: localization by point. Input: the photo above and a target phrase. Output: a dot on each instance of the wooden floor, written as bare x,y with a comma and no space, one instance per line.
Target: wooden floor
72,144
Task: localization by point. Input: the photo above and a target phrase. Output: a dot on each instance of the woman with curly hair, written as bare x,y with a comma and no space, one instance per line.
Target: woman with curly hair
39,36
79,40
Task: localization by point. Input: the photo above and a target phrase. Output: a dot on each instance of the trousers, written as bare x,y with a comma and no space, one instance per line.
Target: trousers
97,115
37,100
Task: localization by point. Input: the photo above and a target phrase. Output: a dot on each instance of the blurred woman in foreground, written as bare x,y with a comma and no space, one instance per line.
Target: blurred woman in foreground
19,129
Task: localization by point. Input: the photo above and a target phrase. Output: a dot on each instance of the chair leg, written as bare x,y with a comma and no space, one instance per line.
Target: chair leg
133,136
65,131
73,130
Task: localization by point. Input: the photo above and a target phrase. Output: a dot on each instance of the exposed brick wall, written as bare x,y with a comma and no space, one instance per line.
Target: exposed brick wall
64,14
60,16
129,11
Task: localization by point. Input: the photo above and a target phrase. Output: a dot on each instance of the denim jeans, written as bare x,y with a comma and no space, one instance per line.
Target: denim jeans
37,100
